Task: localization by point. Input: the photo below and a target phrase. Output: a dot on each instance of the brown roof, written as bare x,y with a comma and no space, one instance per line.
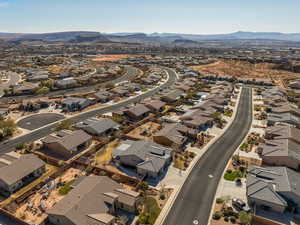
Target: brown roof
176,132
68,139
138,110
285,108
19,168
90,199
154,103
283,132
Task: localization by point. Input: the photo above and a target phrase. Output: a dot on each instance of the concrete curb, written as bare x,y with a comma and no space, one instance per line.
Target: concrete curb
213,206
56,122
163,214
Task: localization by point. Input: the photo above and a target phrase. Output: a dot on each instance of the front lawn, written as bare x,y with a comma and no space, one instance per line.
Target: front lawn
150,213
232,175
64,190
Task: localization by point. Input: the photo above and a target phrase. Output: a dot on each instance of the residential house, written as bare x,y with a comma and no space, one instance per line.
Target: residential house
94,200
279,132
120,91
72,104
34,104
200,116
37,78
273,188
154,105
281,152
28,88
295,84
102,96
137,112
174,135
66,142
197,119
63,75
17,170
285,108
172,96
148,158
285,118
98,127
274,101
66,83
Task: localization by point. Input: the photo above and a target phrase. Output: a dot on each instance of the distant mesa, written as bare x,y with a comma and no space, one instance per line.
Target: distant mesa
185,41
82,36
90,38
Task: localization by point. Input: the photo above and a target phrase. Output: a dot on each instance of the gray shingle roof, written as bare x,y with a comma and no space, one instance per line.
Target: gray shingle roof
283,132
89,202
97,126
281,147
146,151
270,184
20,168
138,110
69,140
176,132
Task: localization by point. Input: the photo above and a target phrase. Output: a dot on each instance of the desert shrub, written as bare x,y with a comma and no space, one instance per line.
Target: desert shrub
217,215
219,200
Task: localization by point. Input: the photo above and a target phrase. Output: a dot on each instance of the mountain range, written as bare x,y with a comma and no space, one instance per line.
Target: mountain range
79,36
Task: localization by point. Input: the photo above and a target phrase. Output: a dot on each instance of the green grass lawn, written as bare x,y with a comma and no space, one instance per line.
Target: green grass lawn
151,211
66,188
231,176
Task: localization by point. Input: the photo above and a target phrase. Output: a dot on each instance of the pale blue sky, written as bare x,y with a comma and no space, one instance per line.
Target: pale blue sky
181,16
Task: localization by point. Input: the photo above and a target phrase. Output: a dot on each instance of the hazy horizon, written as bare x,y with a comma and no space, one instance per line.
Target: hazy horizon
142,16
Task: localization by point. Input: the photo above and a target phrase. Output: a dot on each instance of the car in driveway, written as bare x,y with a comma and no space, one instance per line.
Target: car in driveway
240,205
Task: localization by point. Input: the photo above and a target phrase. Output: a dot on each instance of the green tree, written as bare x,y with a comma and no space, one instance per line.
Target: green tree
244,218
64,125
42,91
143,186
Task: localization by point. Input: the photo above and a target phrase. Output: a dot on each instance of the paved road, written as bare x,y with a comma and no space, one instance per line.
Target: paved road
38,120
13,79
196,197
130,73
37,134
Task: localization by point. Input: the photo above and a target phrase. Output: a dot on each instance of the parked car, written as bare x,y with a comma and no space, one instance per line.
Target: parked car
238,182
240,205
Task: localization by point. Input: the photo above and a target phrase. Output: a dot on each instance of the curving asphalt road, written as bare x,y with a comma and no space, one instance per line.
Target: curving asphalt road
130,73
38,120
194,201
39,133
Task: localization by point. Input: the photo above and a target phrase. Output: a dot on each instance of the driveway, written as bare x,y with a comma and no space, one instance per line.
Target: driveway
44,131
196,197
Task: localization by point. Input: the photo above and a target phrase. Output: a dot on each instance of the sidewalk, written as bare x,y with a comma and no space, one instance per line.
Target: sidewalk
178,178
94,109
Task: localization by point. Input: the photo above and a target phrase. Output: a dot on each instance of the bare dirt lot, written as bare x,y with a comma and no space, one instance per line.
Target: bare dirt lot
109,58
32,210
241,69
145,131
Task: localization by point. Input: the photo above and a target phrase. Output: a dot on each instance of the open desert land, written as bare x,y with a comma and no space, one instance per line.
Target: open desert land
242,69
110,58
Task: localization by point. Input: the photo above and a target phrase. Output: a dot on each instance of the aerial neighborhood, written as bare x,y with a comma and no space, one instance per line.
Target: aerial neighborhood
96,132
